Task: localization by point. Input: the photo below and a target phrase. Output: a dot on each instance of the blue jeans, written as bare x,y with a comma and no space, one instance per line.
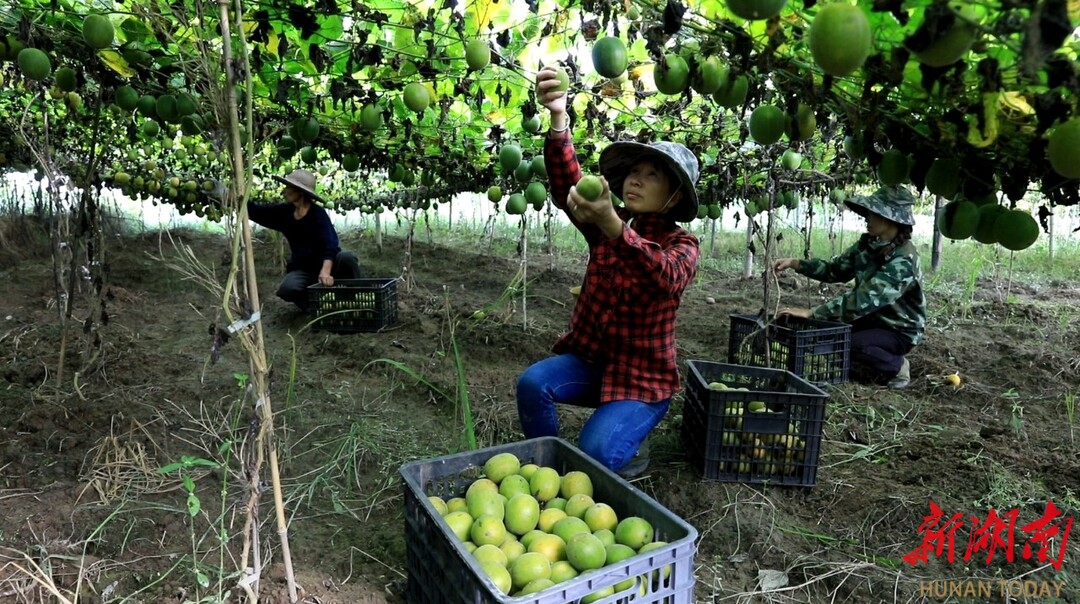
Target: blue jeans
615,430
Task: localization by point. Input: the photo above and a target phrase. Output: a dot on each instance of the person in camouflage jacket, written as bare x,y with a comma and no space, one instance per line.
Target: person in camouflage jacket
886,307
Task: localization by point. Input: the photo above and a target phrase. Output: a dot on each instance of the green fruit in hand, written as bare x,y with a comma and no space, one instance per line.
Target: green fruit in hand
590,187
564,79
609,57
477,54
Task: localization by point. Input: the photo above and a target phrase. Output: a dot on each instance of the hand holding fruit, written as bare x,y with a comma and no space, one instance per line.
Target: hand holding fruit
326,279
786,263
551,93
590,200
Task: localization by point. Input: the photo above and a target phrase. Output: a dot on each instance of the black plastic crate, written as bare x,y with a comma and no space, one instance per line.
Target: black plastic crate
442,571
768,433
818,351
354,305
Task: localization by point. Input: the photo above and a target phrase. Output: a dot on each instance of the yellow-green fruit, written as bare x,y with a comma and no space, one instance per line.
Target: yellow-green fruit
371,117
477,54
672,75
767,124
756,9
709,76
791,159
509,157
516,204
732,93
494,194
74,101
894,167
589,187
66,79
500,466
840,38
988,215
949,46
34,64
416,97
1015,230
609,57
98,31
564,79
958,219
943,177
1063,149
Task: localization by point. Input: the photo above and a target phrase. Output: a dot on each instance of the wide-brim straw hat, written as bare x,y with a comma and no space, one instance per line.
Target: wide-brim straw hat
617,159
303,180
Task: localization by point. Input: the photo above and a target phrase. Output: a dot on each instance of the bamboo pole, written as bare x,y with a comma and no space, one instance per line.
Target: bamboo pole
935,253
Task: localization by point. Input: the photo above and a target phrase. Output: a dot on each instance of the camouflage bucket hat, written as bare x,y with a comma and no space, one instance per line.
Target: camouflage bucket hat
893,203
618,158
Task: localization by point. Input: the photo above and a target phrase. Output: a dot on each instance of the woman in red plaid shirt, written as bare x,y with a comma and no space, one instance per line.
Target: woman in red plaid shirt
619,353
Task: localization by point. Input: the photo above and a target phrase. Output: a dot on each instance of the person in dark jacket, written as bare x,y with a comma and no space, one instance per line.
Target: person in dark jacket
619,354
316,255
886,307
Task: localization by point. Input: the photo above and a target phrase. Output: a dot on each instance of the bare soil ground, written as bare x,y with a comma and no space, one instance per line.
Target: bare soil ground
82,497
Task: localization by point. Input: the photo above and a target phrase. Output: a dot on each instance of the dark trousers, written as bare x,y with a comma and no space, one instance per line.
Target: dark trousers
877,352
293,288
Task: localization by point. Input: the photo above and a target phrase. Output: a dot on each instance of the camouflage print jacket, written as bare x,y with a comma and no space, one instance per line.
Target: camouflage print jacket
886,293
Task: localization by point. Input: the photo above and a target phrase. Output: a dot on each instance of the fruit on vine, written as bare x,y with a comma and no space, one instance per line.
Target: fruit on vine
531,124
34,64
791,159
539,168
127,98
590,187
732,93
66,79
308,154
523,172
477,54
371,118
609,57
509,157
1063,149
804,125
516,204
633,13
98,31
494,194
894,167
709,76
350,163
165,107
194,124
416,97
958,219
672,75
1015,230
840,38
147,105
988,214
756,9
714,211
767,124
943,177
186,104
951,44
305,129
536,193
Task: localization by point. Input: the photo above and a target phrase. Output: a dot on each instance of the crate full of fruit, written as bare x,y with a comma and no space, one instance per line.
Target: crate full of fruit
539,522
752,424
818,351
354,305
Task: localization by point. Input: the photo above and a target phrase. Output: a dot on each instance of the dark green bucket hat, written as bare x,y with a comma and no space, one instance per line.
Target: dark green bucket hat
618,158
893,203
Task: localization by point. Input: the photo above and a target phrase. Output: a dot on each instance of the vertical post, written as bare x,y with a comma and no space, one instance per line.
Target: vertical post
935,254
748,259
1050,227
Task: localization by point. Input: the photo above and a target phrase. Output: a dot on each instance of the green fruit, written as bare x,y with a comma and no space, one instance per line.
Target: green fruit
804,125
767,124
709,76
194,124
509,157
66,79
988,214
894,167
840,38
732,93
309,155
371,118
539,169
305,129
34,64
756,9
477,54
949,46
1016,230
958,219
350,163
494,194
416,97
127,98
1063,149
147,105
397,173
98,31
791,159
150,129
523,172
165,107
564,79
943,177
609,57
531,124
590,187
516,204
536,193
186,104
633,13
714,211
73,100
672,75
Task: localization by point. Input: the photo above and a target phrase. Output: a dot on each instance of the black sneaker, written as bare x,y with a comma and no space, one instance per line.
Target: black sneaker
637,464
